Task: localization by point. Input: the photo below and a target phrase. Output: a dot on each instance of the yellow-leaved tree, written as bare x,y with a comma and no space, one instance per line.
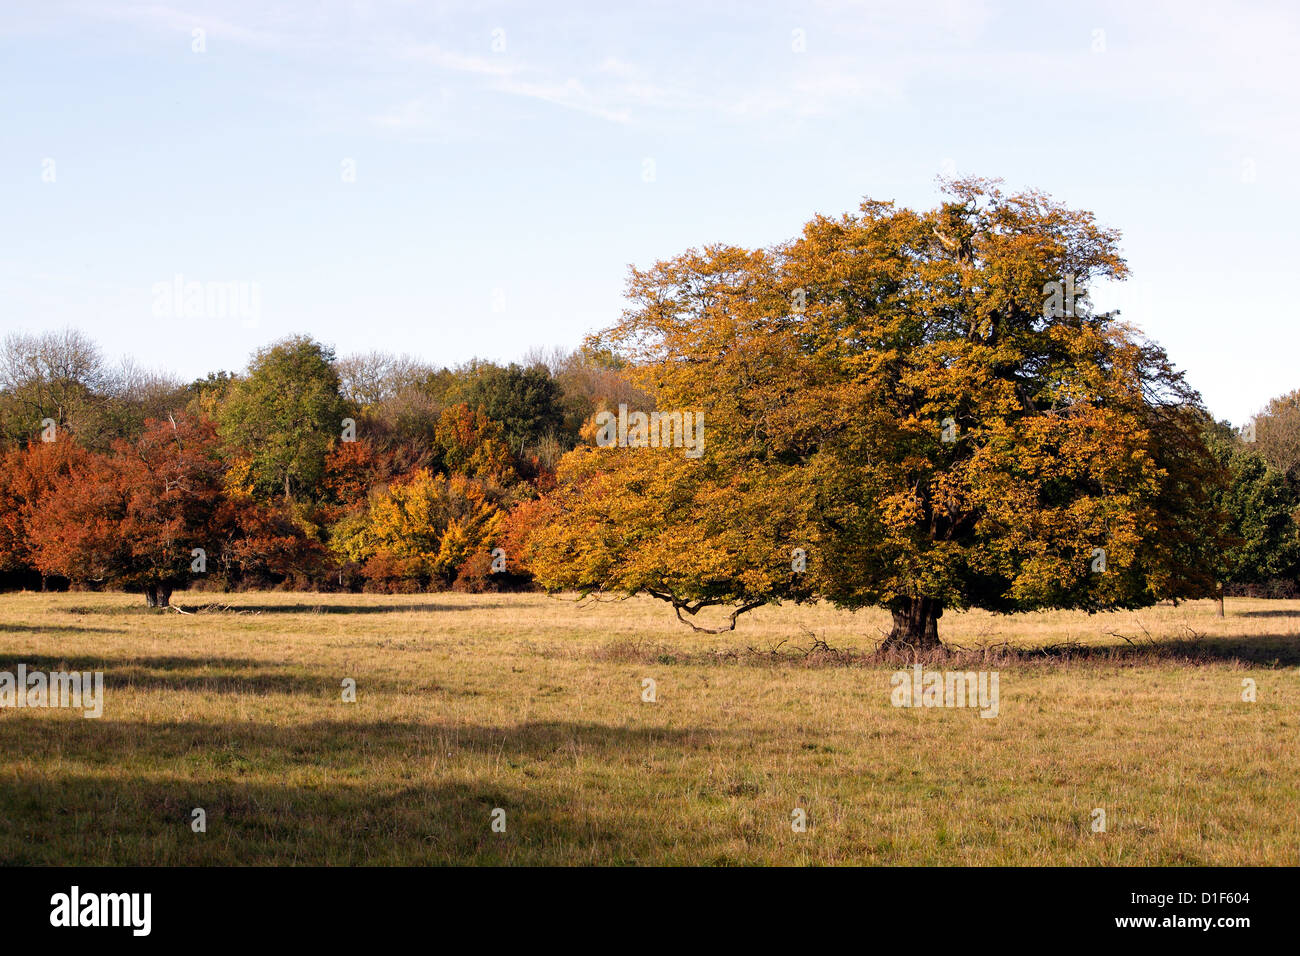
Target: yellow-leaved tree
915,410
425,525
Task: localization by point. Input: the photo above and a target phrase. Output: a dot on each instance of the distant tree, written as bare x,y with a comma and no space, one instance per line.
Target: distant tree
265,542
131,396
473,444
374,377
441,385
284,416
56,376
592,379
28,477
1277,433
423,527
526,401
133,518
402,429
351,470
521,522
1261,509
206,394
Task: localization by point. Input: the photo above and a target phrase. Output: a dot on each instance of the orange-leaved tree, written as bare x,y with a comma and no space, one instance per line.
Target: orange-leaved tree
136,517
27,477
914,410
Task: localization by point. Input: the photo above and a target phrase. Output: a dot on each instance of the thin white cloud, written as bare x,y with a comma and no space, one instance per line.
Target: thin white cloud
162,16
490,65
569,94
418,114
1229,67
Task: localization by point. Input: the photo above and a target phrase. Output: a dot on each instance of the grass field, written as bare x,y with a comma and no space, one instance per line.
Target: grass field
468,703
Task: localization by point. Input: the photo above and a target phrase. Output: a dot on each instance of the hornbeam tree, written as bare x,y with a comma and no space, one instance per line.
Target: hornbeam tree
924,403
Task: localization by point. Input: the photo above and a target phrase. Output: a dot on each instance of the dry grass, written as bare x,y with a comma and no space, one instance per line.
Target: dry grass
533,704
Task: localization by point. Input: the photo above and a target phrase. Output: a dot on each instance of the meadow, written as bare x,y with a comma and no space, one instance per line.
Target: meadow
466,704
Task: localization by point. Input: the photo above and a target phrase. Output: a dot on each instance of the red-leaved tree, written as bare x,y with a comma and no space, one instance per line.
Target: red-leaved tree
142,517
27,477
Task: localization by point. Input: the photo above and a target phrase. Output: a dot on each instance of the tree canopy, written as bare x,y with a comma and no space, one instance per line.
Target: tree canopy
922,402
920,410
284,415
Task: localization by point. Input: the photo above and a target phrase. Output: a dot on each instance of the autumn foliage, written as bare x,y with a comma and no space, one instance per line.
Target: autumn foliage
133,517
920,410
895,396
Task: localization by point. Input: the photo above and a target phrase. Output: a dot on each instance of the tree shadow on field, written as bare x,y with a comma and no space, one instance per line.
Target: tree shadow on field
324,743
1295,613
75,662
1135,651
223,675
213,609
85,820
1265,649
64,629
136,783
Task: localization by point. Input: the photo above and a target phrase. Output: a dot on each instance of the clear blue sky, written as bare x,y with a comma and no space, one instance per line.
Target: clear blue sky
500,154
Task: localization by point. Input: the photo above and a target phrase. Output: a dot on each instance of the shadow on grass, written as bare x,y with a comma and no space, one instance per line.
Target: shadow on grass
85,820
1270,650
337,744
1280,650
218,608
1292,613
137,808
208,604
223,675
92,662
54,629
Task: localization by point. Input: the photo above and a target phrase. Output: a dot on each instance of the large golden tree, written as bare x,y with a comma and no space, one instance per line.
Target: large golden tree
916,410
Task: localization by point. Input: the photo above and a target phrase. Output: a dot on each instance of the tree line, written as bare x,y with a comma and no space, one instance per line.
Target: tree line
919,410
305,470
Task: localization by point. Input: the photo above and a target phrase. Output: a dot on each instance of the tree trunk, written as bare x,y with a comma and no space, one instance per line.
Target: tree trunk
916,624
158,595
1220,600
